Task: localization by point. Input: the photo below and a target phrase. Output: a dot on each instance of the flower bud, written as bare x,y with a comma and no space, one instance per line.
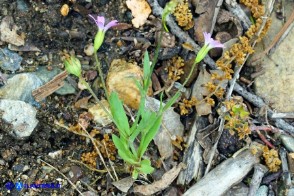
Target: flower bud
209,44
168,9
99,38
73,66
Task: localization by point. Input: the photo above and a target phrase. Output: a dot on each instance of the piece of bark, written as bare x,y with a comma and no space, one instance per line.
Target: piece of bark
285,168
50,87
227,174
228,22
259,171
236,10
192,155
204,22
283,115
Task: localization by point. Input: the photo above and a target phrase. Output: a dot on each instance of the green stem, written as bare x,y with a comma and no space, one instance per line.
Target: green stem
156,53
190,74
98,65
95,97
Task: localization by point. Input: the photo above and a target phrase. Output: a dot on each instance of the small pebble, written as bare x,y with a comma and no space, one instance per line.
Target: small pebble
2,162
89,49
8,154
262,191
75,174
10,61
288,142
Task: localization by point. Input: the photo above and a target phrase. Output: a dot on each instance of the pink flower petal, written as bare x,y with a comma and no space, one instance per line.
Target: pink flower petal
100,22
211,43
110,24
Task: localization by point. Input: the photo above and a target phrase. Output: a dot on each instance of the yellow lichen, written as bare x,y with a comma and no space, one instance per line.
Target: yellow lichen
187,105
89,158
256,9
175,69
105,146
237,118
183,15
271,158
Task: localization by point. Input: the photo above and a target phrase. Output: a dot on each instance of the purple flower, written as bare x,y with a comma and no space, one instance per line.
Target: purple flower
209,44
100,22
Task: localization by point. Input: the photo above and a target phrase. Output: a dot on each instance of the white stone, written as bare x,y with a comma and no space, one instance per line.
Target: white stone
17,118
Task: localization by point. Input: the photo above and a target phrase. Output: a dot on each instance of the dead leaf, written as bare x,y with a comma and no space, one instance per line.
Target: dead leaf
124,184
161,184
204,22
140,10
8,32
82,103
199,91
26,48
121,79
99,115
170,128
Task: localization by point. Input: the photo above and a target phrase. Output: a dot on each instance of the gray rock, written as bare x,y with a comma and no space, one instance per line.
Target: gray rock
20,87
46,76
9,61
262,191
17,118
21,5
288,142
18,167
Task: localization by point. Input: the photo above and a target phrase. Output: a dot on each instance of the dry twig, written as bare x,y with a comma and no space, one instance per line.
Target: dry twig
87,135
72,184
259,171
216,10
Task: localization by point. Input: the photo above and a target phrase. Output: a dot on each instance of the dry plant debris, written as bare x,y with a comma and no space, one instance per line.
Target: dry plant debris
140,10
183,15
237,118
175,69
186,105
271,158
208,92
161,184
171,127
105,145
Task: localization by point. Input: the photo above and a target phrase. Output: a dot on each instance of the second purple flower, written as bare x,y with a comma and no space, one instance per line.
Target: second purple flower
102,28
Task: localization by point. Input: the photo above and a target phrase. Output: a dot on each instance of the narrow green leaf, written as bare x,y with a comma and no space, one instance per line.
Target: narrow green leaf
118,113
123,152
149,136
147,121
146,65
145,167
171,101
